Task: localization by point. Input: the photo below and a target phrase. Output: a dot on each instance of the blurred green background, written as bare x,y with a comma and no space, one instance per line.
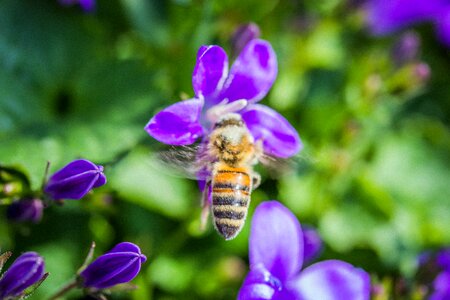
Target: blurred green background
373,177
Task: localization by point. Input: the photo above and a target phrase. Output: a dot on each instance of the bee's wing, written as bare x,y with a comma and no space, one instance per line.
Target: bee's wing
182,161
277,167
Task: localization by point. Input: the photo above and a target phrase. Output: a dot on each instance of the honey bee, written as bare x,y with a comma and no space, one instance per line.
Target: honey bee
234,152
225,162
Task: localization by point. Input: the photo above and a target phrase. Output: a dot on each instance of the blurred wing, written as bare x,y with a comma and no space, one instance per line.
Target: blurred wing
277,167
182,161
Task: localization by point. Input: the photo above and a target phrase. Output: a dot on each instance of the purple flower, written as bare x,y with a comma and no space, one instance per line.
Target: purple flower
119,265
86,5
218,91
385,17
25,210
443,259
26,270
276,254
441,287
441,284
75,180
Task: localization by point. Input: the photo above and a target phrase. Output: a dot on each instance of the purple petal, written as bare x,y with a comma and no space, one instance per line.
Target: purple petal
210,72
443,259
252,74
331,280
388,16
75,180
441,287
126,247
443,26
279,137
119,265
178,124
244,34
26,270
312,243
276,240
259,284
87,5
101,180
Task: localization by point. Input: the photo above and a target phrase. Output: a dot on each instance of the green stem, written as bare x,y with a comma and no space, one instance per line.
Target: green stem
71,285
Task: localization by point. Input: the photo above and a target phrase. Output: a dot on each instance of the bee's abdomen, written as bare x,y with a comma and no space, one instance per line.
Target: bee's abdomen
230,200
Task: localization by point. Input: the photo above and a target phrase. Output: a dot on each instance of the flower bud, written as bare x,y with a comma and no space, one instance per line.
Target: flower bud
26,210
244,34
75,180
406,49
119,265
26,270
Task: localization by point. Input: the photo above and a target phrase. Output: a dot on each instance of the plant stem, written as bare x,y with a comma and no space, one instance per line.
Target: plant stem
72,284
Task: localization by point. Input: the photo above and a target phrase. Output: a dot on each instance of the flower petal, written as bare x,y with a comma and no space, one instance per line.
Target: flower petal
312,243
331,280
178,124
443,26
443,259
252,74
87,5
276,240
388,16
258,285
210,71
279,137
441,287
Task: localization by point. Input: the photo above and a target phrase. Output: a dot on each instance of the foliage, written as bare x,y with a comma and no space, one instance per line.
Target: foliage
373,176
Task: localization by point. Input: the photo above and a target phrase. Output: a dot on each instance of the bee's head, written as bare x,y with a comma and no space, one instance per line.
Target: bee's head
230,119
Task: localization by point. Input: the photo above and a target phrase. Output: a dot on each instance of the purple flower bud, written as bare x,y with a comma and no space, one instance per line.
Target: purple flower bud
25,210
422,72
119,265
406,49
26,270
75,180
244,34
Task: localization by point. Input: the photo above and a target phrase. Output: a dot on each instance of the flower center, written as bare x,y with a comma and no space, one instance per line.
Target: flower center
273,282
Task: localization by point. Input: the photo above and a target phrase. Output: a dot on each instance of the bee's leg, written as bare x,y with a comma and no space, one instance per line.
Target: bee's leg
206,205
256,180
258,152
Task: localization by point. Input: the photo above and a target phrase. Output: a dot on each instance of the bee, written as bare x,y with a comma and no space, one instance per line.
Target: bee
225,161
234,152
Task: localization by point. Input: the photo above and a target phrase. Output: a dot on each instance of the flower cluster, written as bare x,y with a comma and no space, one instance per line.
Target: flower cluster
26,271
219,91
276,254
385,17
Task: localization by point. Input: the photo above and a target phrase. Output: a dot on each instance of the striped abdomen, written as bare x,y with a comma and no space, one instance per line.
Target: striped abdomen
231,189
